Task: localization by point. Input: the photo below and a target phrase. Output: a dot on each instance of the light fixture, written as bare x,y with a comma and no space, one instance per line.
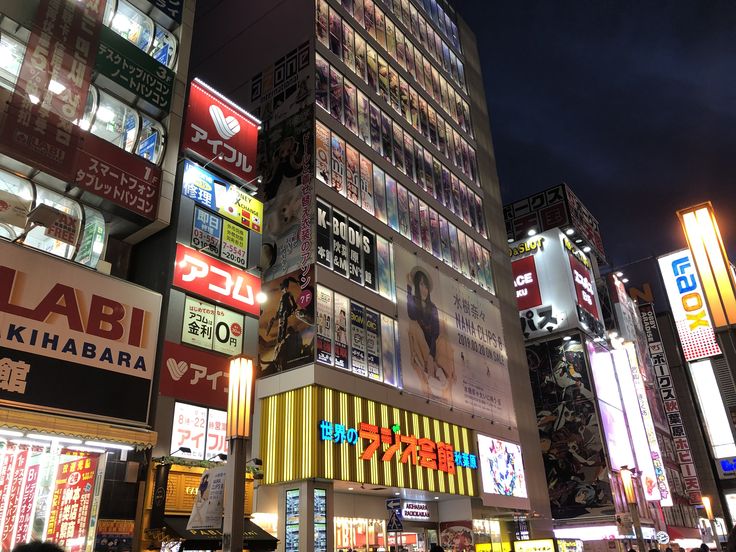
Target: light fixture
578,240
436,498
87,449
185,450
238,397
261,297
10,433
566,338
627,479
116,446
397,493
350,488
619,273
34,99
40,437
586,249
625,280
510,240
30,443
255,461
105,114
570,231
708,506
532,232
220,456
55,87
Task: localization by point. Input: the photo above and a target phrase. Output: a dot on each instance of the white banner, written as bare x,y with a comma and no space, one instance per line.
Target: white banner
209,504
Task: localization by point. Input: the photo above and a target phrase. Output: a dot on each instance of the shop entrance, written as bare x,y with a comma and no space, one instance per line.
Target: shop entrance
414,539
369,535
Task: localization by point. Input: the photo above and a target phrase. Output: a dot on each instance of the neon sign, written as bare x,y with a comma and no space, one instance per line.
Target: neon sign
418,450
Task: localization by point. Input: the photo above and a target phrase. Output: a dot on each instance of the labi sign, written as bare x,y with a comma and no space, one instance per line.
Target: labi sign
91,335
554,285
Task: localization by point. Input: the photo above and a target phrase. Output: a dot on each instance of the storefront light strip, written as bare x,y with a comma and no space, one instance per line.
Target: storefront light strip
307,425
328,450
388,477
289,430
87,449
416,430
100,444
10,433
31,443
344,450
360,465
40,437
460,473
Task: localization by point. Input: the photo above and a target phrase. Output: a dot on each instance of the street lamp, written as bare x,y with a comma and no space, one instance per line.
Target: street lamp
238,431
627,478
709,512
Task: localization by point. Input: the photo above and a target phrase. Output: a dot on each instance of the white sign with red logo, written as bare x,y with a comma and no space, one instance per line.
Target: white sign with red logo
213,279
189,431
216,433
212,327
220,132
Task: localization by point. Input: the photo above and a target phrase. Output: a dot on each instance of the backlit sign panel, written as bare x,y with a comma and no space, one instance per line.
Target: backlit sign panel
688,306
502,471
415,511
714,411
220,132
540,545
213,279
526,283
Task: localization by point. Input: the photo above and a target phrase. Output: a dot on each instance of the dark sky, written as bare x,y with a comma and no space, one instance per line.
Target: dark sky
632,103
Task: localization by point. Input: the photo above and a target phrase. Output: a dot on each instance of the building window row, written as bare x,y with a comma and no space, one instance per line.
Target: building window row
353,337
375,21
346,103
354,252
341,166
438,14
362,59
48,221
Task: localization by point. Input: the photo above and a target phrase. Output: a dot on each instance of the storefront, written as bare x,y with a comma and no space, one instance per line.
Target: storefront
362,475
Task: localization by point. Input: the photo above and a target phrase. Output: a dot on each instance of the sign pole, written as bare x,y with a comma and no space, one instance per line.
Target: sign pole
232,530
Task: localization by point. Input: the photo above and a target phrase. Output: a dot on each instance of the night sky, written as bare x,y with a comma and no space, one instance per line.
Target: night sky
632,103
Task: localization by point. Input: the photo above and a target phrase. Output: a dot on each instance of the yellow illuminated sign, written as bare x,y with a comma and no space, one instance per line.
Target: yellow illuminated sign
705,243
293,446
540,545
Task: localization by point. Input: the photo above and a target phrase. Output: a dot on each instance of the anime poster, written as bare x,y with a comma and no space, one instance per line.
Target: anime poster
414,226
375,122
285,154
357,339
350,106
392,205
336,94
355,252
366,185
409,158
434,233
428,178
348,45
474,209
572,445
463,246
487,270
456,203
445,240
379,195
446,188
464,204
286,325
337,164
393,86
405,107
339,243
360,59
322,82
324,234
373,344
342,309
370,18
383,79
322,149
322,20
390,37
424,226
325,325
480,217
386,137
383,260
380,27
452,346
398,151
359,12
369,260
403,207
414,103
457,536
454,249
388,350
352,179
432,119
400,49
372,62
364,126
335,33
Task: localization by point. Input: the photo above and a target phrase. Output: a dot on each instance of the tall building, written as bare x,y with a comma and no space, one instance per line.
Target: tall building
595,357
92,96
391,372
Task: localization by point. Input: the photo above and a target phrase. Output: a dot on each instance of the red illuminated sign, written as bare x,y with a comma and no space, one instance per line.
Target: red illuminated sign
208,277
220,132
526,283
584,286
193,375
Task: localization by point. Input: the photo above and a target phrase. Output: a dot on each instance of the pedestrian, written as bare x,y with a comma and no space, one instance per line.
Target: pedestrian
436,548
704,547
38,546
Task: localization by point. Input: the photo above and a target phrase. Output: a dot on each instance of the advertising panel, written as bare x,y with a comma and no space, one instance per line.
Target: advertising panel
193,375
325,325
286,325
324,234
357,339
211,191
454,348
103,332
207,277
234,244
502,473
220,132
689,309
354,437
714,412
556,289
212,327
189,431
572,444
206,231
209,504
342,306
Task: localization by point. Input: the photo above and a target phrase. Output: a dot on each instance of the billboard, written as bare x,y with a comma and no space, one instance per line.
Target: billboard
452,345
220,132
99,332
688,305
569,433
194,375
555,286
502,473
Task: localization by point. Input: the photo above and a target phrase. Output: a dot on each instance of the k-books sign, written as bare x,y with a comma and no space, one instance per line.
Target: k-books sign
71,338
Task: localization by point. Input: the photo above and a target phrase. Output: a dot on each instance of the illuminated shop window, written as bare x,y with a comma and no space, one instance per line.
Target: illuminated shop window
151,140
133,25
164,47
64,227
359,533
11,57
115,122
90,107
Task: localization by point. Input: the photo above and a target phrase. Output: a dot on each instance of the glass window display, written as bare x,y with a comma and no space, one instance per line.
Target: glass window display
59,234
11,57
133,25
151,140
164,47
115,122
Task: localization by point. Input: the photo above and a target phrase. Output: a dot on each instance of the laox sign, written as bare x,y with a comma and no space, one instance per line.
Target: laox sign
210,278
692,299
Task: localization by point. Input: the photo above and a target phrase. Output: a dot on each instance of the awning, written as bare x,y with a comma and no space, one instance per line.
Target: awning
63,426
254,538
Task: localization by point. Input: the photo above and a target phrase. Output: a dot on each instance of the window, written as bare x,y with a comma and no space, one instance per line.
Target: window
151,140
133,25
11,57
115,122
